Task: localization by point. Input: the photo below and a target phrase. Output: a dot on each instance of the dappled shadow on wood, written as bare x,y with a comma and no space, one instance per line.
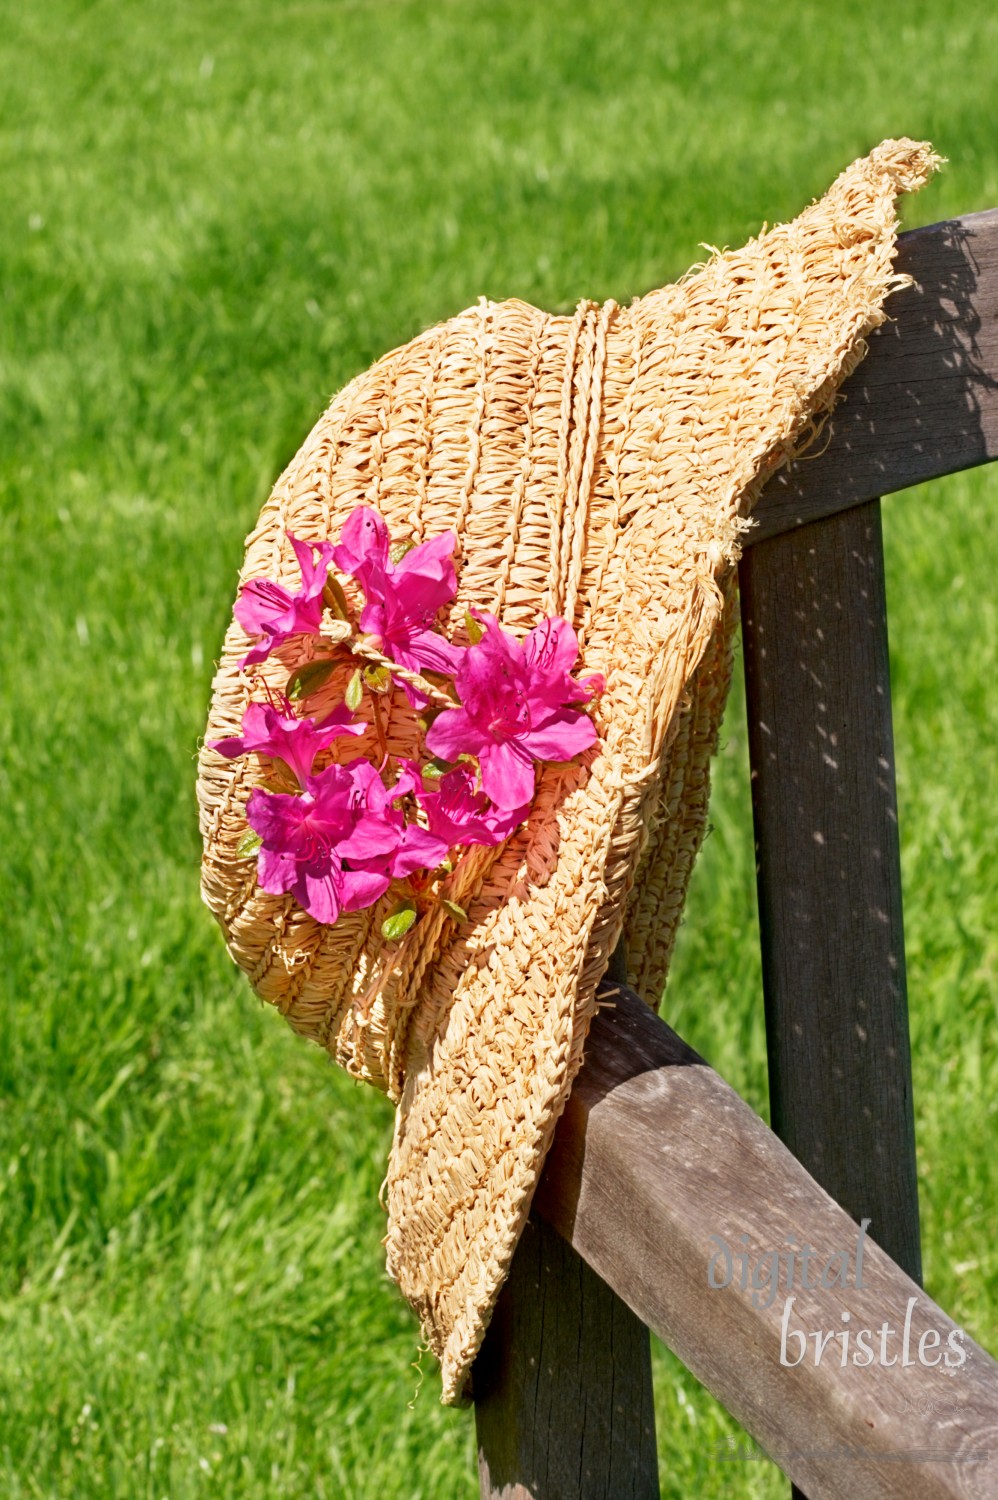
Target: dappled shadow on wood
814,624
924,401
563,1391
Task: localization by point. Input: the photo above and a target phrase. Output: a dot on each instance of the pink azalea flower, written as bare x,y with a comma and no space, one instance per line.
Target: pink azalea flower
297,742
338,845
459,813
416,848
266,609
516,708
551,651
307,846
403,598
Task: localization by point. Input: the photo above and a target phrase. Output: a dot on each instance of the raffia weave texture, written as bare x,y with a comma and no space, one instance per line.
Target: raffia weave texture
600,466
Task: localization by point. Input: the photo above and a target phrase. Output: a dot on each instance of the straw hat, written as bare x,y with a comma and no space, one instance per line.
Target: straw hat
602,467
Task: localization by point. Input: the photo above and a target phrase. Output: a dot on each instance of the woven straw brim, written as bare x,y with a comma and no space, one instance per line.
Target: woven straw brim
602,467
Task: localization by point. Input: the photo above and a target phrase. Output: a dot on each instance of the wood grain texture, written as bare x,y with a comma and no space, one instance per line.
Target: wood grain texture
563,1388
654,1156
828,866
924,401
814,626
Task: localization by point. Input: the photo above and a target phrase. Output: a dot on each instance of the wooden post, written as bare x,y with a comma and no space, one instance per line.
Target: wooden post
563,1391
564,1407
817,678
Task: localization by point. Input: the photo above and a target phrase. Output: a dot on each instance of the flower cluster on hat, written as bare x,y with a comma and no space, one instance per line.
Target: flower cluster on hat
339,837
339,844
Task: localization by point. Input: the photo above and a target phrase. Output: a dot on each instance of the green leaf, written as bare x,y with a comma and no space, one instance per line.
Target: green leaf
457,912
354,695
398,550
436,768
474,627
398,922
280,780
426,718
378,679
248,844
308,679
335,600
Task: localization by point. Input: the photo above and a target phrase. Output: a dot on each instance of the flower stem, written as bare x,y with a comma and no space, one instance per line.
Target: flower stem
362,648
379,728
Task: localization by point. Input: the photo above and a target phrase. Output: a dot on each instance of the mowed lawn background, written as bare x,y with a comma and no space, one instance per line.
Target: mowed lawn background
211,217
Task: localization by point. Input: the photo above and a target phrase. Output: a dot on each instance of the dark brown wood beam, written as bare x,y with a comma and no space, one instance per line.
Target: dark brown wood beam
924,401
828,866
656,1163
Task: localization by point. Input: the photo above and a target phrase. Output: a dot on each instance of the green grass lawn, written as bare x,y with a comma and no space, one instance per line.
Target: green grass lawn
212,216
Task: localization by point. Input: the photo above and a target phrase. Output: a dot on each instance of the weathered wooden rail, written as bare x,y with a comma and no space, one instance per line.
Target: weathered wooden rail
655,1154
